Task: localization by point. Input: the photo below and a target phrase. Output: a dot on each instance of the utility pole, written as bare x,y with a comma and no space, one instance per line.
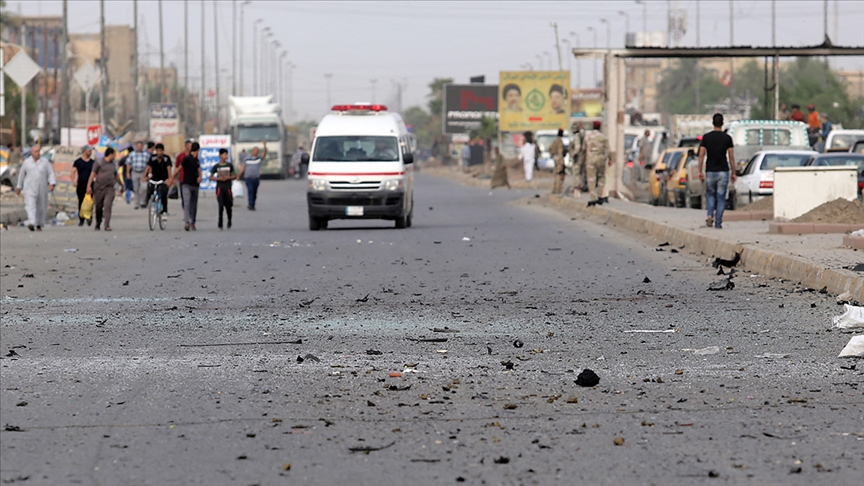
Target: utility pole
776,63
255,57
137,122
731,59
557,44
185,61
103,58
216,58
161,57
578,61
65,106
234,48
203,74
281,79
241,65
328,77
594,31
698,84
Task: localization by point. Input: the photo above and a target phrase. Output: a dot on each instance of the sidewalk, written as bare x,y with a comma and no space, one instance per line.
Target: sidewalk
815,261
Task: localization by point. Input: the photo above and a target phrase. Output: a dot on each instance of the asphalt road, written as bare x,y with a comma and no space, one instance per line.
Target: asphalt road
169,357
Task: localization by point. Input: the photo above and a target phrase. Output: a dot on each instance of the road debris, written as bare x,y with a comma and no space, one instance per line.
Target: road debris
310,357
368,449
725,284
707,351
508,365
299,341
646,280
727,263
428,340
854,348
373,352
618,441
772,356
518,343
853,318
444,329
652,331
587,378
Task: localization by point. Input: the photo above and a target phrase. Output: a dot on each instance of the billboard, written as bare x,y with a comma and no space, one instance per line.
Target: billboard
209,156
587,102
164,120
466,104
533,100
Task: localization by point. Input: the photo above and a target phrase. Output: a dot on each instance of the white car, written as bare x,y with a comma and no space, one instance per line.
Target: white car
544,140
757,179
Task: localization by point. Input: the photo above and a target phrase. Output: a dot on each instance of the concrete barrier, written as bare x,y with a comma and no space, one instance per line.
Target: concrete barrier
797,190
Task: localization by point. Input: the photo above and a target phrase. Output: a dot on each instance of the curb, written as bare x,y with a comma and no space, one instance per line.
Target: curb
812,228
765,262
748,215
856,242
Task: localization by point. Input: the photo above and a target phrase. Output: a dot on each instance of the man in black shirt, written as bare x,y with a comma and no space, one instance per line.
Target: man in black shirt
158,169
81,169
716,145
190,178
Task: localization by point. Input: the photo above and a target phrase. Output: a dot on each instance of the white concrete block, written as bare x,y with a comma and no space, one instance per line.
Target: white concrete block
797,190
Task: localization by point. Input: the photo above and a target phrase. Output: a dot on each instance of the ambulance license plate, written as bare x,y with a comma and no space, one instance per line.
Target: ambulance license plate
354,210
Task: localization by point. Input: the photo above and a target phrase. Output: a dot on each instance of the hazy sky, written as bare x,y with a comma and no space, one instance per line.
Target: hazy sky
413,42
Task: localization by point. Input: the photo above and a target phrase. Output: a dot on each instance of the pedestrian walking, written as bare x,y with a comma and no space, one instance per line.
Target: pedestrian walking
223,173
101,187
644,153
251,170
556,150
158,169
125,170
36,180
577,155
596,157
187,147
296,162
81,169
716,144
466,156
526,155
814,124
190,178
138,162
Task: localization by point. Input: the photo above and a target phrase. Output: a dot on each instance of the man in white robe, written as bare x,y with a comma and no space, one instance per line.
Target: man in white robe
36,179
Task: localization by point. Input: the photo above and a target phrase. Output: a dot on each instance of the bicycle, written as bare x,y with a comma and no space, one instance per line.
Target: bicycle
154,209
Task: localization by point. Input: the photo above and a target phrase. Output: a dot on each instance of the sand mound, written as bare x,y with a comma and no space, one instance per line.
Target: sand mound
840,211
764,204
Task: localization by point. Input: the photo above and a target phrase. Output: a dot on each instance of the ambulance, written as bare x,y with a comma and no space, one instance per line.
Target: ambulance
361,166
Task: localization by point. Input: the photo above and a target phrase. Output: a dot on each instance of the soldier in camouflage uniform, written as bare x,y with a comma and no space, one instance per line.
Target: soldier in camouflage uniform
556,150
577,155
596,155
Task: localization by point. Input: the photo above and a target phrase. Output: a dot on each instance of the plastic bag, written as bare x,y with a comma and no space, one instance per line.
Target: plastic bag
237,189
173,192
851,319
87,207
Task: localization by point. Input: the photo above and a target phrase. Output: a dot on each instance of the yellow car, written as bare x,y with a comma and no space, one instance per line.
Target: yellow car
676,177
658,180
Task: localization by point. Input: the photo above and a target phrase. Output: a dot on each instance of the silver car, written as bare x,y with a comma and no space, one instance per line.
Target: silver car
756,180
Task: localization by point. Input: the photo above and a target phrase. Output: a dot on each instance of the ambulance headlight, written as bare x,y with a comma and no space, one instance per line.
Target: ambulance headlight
393,185
318,184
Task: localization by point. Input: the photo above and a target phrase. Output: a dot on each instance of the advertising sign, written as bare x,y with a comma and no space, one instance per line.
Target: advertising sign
164,120
64,192
533,100
466,104
209,156
587,102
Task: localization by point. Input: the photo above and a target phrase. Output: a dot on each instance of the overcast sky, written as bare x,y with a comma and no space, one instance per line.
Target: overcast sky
413,42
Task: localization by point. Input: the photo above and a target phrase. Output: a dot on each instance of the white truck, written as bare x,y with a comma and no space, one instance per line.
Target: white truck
255,119
694,126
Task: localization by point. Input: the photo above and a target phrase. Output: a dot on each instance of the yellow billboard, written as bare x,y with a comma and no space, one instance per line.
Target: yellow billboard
533,100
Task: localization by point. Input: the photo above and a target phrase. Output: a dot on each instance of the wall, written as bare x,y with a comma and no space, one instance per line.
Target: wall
797,190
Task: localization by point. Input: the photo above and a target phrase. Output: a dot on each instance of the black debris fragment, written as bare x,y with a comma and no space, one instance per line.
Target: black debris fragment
369,403
823,290
12,354
646,280
727,263
664,244
720,271
518,343
444,329
310,357
488,350
125,283
373,352
12,428
508,365
399,388
364,299
587,378
368,449
428,340
502,460
726,284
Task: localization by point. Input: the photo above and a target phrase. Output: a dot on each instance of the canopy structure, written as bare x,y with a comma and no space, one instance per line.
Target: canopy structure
614,76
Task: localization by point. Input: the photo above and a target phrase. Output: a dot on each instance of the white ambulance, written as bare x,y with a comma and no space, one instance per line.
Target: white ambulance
361,167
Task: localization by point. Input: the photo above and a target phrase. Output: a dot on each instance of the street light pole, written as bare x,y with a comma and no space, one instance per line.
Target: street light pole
627,23
539,62
103,67
161,57
233,48
578,61
328,77
608,32
216,60
644,44
594,60
241,66
203,74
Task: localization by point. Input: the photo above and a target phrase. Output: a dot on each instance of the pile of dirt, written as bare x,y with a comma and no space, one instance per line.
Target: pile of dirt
764,204
840,211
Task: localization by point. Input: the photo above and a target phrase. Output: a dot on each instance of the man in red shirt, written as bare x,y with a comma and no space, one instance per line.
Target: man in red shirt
796,114
179,172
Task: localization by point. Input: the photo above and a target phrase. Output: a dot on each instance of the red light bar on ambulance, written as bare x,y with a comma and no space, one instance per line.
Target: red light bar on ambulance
359,108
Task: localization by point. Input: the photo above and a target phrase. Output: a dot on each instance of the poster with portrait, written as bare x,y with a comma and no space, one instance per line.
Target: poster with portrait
533,100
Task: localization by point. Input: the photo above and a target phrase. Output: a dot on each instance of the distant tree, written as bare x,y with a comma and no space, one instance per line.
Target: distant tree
421,122
436,95
809,80
676,91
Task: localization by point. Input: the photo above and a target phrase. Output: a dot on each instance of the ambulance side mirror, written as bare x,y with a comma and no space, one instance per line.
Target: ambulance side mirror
408,158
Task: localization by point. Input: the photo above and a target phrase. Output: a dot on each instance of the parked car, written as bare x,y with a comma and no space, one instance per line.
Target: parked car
690,142
676,178
840,159
839,140
544,140
757,179
657,180
858,148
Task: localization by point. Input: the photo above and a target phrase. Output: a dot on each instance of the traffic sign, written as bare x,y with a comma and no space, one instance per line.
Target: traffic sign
87,76
21,68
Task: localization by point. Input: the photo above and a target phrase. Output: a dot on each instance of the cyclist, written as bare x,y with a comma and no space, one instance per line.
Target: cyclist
158,169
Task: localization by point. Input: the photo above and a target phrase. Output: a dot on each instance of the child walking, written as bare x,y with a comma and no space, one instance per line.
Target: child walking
223,173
